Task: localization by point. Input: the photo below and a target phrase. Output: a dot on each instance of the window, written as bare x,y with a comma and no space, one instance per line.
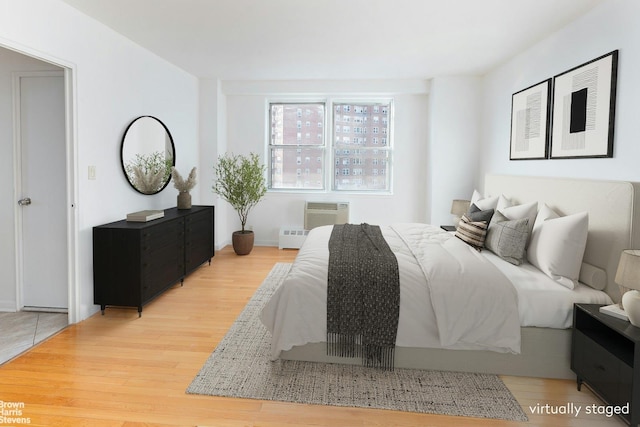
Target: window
287,147
359,158
372,159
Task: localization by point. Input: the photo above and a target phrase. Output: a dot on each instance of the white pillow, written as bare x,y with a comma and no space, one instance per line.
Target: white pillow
476,196
503,202
544,214
528,210
487,203
484,203
593,276
557,246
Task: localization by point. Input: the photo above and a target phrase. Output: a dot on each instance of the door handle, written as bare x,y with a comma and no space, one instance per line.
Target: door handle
24,202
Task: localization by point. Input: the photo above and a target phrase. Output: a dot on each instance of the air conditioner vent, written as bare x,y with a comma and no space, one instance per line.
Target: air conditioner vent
317,214
291,238
329,206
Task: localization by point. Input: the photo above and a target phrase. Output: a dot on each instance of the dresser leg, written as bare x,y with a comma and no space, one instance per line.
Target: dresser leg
579,381
139,312
102,307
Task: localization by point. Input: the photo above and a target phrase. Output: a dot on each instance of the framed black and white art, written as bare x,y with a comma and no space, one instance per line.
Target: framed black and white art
530,117
584,100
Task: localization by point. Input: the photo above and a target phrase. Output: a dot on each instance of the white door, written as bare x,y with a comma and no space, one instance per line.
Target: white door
42,192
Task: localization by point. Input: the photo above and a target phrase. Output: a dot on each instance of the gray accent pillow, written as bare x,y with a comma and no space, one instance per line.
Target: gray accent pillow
508,239
475,214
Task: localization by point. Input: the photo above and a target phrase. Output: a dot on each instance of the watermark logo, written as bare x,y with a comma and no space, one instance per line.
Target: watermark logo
572,409
13,413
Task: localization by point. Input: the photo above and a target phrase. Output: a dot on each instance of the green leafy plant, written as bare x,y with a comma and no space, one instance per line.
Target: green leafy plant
241,182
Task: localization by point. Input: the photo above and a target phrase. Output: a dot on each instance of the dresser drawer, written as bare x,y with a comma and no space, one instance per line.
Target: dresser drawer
199,227
198,239
155,280
203,216
604,371
162,235
163,258
161,268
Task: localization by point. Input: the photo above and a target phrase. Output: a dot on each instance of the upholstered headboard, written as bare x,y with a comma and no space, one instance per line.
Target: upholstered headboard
612,206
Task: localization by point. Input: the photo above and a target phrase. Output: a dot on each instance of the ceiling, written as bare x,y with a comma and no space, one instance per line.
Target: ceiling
335,39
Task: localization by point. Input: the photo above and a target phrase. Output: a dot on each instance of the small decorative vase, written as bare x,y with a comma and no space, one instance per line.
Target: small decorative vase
631,303
184,200
623,291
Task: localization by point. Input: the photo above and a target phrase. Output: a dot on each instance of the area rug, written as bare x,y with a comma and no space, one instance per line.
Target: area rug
241,367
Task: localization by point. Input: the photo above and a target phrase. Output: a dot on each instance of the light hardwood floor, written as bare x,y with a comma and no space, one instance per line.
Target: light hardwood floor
121,370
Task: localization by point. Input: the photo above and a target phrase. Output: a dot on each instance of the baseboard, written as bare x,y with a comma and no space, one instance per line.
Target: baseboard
256,243
7,306
266,243
45,309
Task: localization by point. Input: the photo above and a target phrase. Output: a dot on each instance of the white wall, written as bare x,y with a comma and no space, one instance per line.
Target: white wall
115,81
454,143
246,131
212,141
614,25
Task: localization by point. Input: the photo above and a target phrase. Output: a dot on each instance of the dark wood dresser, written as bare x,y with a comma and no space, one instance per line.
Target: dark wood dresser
134,262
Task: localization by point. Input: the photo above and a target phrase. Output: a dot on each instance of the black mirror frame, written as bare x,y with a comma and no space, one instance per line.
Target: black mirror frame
124,171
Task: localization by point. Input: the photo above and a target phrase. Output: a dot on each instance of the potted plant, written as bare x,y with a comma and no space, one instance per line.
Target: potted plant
240,181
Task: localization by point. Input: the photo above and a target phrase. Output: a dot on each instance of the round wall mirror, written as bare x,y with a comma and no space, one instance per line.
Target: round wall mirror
147,155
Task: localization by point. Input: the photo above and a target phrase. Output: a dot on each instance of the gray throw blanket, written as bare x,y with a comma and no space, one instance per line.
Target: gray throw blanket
363,295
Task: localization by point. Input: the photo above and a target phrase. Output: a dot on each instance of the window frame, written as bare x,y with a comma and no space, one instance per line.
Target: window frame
328,158
323,146
372,102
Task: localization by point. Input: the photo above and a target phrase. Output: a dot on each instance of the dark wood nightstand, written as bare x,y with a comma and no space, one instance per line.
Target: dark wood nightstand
448,227
605,352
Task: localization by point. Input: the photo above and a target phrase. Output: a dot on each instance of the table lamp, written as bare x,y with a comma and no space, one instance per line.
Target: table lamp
459,208
628,276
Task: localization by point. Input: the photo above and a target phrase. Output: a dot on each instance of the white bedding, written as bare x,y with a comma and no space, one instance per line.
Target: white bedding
542,302
480,312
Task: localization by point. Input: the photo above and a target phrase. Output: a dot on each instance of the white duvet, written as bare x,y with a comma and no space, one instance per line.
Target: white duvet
450,295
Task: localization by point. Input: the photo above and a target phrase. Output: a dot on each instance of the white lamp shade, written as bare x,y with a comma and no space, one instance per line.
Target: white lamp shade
459,207
628,274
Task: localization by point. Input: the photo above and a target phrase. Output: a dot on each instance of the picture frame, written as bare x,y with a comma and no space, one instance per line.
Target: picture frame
530,122
584,100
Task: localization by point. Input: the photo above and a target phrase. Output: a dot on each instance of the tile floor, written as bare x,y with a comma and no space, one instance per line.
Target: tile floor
22,330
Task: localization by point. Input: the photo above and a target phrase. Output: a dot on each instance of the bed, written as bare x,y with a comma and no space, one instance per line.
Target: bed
533,339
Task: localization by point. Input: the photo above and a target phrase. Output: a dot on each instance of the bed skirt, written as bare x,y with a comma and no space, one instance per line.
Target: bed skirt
545,353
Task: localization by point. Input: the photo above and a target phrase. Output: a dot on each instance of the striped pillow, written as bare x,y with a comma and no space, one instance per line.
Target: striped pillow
472,233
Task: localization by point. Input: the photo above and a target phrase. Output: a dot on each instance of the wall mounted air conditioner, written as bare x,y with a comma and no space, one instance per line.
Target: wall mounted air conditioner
325,213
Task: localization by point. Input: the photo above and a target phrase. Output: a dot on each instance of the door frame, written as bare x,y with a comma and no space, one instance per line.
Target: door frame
71,190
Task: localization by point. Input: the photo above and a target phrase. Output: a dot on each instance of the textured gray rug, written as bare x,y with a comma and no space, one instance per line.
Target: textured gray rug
240,367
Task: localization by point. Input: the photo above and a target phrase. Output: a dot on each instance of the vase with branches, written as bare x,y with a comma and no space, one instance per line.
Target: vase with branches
184,186
240,181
